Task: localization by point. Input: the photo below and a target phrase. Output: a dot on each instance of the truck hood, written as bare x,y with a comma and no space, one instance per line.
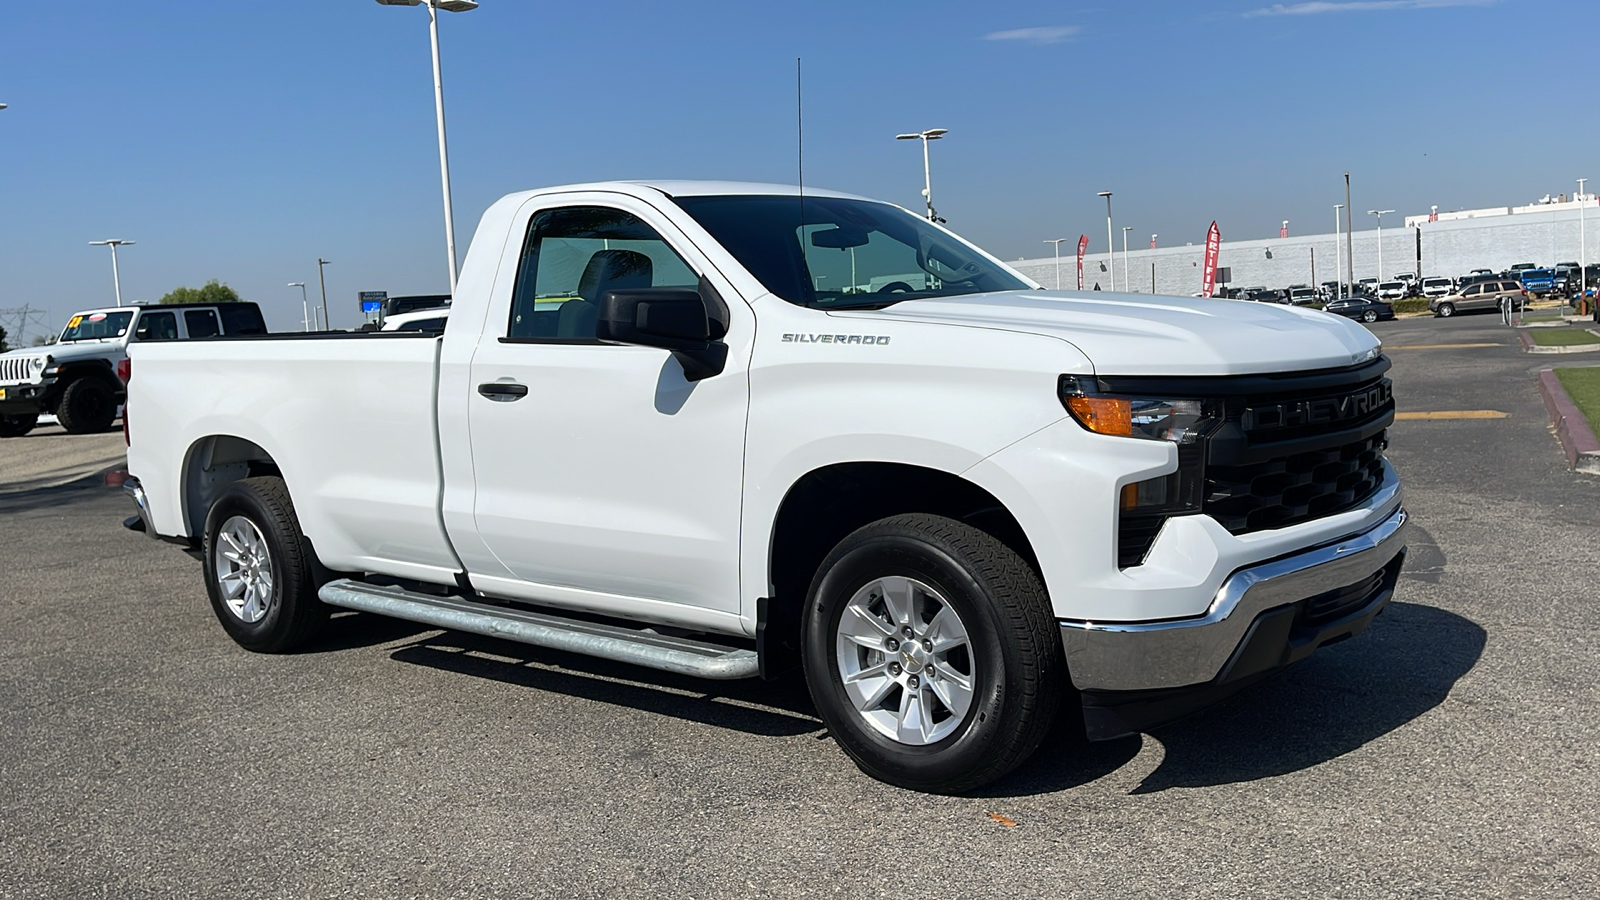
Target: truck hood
1141,334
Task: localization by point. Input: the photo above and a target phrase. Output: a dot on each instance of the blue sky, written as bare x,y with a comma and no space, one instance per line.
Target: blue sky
240,141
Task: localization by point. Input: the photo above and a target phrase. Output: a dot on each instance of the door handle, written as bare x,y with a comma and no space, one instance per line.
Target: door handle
503,391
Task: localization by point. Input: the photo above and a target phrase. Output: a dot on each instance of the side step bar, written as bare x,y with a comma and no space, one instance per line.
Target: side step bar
643,648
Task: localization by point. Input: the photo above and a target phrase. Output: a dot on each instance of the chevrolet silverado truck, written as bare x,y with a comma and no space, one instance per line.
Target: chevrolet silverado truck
76,378
731,430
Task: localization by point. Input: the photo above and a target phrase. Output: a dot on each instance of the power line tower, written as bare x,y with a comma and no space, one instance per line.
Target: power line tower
17,320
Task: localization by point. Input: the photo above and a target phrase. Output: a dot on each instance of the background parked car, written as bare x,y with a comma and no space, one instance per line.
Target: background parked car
1479,295
1436,287
1303,295
1361,306
1392,290
1538,282
431,319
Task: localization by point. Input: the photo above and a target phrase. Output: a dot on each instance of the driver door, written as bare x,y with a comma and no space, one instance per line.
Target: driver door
604,480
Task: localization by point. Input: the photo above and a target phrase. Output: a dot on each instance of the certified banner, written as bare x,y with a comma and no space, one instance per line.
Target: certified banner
1208,279
1083,247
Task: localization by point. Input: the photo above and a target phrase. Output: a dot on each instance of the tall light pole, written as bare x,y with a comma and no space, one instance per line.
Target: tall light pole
438,107
1380,213
116,276
321,282
1349,237
1057,242
1126,284
1583,245
932,134
1338,258
1111,251
305,307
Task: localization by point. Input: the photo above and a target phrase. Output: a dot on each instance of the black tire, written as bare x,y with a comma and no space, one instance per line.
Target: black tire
1370,315
17,425
88,406
293,614
1445,310
1017,671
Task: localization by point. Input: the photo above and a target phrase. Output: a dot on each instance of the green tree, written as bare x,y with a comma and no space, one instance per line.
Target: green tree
212,291
3,346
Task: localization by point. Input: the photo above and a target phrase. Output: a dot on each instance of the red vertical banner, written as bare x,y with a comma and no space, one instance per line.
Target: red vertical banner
1083,247
1208,278
1284,231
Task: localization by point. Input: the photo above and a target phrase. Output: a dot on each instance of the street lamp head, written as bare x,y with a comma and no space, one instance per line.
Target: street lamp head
298,284
934,134
446,5
1103,194
112,242
907,137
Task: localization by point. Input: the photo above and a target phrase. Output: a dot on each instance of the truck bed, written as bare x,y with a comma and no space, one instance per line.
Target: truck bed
349,419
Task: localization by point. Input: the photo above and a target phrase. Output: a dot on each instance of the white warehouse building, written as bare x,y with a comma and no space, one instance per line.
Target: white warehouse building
1495,238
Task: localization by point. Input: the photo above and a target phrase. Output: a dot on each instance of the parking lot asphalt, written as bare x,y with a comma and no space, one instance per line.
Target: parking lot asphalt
48,457
1447,752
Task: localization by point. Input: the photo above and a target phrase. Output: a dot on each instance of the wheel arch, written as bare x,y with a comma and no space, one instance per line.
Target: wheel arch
212,463
825,504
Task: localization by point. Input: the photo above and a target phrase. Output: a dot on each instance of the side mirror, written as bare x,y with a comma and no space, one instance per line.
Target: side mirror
673,319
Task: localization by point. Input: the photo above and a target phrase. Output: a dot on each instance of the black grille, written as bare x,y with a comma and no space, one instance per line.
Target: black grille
1298,487
1281,449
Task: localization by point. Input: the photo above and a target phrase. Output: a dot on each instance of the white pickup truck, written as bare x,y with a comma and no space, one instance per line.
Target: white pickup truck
728,429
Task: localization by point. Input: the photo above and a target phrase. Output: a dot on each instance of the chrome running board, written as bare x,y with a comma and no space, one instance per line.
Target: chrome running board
643,648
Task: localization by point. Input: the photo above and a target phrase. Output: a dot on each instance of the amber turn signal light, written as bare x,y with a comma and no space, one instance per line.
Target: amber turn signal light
1102,415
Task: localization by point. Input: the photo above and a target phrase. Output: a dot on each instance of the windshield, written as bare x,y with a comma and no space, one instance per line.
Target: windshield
846,253
93,326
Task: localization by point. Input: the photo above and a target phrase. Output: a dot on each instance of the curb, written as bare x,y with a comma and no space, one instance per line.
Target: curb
1577,439
1528,346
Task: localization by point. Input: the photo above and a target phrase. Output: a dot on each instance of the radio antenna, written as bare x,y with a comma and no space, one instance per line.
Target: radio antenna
800,140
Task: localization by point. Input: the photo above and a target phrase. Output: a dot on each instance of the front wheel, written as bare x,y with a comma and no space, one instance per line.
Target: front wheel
87,406
931,653
261,573
17,426
1445,310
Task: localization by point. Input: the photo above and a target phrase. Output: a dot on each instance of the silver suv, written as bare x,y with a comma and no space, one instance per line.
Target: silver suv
1479,295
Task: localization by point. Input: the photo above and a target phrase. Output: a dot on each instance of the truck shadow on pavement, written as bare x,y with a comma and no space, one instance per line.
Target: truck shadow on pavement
1340,699
1333,703
777,708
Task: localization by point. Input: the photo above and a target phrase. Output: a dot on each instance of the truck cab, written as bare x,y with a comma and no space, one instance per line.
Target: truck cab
75,378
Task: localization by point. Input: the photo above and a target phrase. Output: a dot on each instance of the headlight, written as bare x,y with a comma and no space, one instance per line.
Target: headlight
38,363
1151,418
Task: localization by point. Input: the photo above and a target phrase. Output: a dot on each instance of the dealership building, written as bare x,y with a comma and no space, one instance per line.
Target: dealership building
1442,244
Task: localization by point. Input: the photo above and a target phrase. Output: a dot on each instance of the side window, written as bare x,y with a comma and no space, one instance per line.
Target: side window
241,318
202,323
157,326
1472,291
572,256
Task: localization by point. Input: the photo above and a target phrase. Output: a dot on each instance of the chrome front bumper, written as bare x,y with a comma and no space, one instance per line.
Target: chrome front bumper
1133,656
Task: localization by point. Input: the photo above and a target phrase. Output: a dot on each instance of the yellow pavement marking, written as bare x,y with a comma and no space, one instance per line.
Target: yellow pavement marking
1437,346
1454,414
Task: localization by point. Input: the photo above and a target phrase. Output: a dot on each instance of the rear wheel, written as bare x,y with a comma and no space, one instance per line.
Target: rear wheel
88,406
1445,310
18,425
1370,315
931,653
261,573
